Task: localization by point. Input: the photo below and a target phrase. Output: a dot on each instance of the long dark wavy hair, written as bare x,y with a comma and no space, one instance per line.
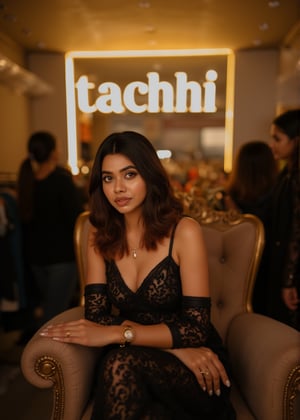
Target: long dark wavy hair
161,209
289,124
254,172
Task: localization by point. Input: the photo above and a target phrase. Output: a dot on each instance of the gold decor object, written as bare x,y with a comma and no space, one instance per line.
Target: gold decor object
196,206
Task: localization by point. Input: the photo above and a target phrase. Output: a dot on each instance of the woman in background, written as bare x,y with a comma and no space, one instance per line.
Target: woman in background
49,205
284,238
252,180
249,190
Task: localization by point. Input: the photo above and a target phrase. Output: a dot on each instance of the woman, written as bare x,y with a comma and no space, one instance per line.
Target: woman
148,261
49,205
252,180
249,190
283,241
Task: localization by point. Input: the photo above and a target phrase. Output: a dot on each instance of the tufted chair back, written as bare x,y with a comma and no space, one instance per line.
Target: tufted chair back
234,246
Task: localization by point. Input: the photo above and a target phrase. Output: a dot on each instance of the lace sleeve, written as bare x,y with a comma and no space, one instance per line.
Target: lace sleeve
97,306
192,328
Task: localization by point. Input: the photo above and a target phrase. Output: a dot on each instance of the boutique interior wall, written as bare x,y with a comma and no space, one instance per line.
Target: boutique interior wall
255,102
22,114
14,114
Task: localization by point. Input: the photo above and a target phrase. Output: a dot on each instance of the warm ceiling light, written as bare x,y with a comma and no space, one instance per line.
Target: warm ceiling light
144,4
257,42
150,29
273,4
264,26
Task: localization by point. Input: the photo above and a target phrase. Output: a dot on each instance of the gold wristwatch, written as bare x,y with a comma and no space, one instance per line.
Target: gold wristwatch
128,335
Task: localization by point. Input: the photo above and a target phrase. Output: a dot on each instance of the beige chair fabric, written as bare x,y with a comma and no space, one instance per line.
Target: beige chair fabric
264,353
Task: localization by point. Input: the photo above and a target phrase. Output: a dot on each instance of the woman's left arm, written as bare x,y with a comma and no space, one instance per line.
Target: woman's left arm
191,327
195,324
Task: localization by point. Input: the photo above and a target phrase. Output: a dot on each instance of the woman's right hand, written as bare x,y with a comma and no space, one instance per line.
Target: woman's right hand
206,366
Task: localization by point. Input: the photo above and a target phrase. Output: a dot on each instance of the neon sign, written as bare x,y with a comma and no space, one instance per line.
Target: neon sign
139,97
113,100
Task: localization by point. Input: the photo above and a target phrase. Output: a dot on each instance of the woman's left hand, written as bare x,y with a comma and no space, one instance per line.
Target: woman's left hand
84,332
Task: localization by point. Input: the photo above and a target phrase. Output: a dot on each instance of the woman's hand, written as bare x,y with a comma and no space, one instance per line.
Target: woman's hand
84,332
290,297
206,366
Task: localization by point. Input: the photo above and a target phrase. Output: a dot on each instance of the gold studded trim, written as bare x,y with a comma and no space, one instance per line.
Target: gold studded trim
50,369
291,392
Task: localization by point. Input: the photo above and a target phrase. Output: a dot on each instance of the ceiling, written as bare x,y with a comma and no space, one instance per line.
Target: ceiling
60,26
66,25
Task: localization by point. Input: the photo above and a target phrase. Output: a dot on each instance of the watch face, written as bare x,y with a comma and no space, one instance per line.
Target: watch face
128,334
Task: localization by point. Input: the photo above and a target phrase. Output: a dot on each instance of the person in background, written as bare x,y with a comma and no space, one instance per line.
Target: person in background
49,204
252,180
283,241
249,190
162,358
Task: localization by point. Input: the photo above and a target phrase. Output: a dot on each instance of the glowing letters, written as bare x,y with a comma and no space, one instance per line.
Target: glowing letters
160,95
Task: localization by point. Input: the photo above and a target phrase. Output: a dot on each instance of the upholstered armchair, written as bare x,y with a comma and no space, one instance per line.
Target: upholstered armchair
264,353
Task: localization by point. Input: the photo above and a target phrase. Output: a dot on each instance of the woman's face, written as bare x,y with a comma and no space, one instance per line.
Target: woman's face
122,184
281,145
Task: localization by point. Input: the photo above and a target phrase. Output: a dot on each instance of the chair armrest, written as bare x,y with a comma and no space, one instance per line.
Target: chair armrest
68,368
265,358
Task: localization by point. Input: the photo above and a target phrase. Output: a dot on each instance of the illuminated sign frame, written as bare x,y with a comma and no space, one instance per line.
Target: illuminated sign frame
71,96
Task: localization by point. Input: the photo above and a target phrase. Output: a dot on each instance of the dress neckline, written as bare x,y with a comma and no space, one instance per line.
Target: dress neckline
156,267
145,280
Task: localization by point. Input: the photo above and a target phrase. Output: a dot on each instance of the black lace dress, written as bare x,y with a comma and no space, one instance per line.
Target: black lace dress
136,382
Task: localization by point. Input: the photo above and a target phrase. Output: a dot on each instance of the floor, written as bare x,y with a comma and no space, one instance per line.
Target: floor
18,399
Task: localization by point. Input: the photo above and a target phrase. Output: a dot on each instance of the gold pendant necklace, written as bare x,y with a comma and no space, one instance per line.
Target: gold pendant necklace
134,251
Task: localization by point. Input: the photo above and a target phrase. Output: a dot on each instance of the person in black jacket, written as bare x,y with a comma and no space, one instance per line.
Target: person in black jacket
49,204
284,239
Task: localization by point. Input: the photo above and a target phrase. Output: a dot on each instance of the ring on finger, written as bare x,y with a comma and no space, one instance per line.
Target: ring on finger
204,372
